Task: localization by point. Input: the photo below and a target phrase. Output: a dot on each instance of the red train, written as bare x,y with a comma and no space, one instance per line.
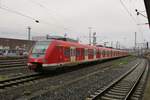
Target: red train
54,53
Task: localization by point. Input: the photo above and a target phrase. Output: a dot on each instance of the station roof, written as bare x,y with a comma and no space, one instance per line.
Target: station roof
147,6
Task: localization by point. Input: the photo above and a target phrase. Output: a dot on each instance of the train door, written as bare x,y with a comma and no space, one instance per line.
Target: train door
100,53
86,54
73,54
111,53
94,53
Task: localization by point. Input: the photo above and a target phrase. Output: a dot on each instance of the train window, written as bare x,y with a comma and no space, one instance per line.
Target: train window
97,52
90,52
107,53
111,52
78,53
103,52
82,52
67,52
40,47
100,52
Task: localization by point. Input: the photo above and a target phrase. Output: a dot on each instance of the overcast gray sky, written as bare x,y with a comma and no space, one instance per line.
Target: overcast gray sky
106,17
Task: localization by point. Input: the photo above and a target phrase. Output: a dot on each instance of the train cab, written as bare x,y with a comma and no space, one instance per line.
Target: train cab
38,54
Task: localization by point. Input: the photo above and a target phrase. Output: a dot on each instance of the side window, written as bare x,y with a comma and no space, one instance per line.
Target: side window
103,53
111,52
67,52
90,52
108,53
82,52
97,52
78,53
100,52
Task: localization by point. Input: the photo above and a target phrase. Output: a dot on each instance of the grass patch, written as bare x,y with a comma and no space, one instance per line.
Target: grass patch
3,77
123,61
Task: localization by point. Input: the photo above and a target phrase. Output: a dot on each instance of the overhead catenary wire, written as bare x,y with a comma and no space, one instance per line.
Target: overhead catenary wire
47,23
126,9
140,25
18,13
135,21
50,12
5,8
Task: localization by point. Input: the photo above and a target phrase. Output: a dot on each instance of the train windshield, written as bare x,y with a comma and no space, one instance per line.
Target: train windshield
40,48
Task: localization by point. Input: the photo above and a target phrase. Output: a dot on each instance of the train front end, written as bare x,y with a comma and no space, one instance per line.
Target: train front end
37,55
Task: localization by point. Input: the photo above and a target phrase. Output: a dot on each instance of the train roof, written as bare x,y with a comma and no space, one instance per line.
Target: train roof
68,43
78,45
61,38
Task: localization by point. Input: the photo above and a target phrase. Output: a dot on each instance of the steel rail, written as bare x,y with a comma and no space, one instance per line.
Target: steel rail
101,91
17,80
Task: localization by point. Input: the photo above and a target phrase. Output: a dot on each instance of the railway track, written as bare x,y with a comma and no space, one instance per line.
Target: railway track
122,87
12,58
12,63
19,80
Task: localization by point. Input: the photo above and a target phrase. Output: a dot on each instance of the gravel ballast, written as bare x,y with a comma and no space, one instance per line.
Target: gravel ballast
73,85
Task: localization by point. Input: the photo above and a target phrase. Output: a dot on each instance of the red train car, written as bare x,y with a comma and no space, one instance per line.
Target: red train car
56,53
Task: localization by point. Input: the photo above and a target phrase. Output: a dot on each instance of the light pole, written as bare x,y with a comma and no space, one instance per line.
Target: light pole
112,44
29,32
94,38
135,39
90,31
0,3
117,44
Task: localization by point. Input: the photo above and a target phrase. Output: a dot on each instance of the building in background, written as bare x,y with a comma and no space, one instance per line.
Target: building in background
14,46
